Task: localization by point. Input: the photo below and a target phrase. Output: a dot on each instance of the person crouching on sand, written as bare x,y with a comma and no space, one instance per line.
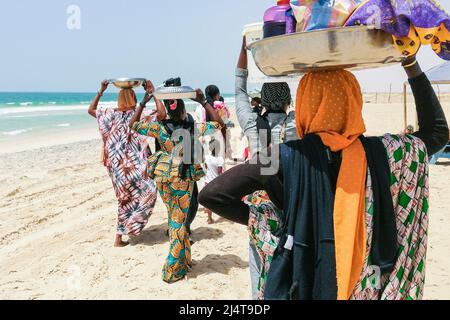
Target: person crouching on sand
124,156
174,175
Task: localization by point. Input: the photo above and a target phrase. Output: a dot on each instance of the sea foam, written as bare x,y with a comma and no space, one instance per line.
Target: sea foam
8,111
15,132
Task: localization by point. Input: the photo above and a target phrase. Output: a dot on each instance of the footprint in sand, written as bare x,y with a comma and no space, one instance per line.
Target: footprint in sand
14,192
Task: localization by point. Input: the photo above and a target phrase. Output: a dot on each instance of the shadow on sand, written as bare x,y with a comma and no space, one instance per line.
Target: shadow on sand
441,163
214,263
157,234
205,233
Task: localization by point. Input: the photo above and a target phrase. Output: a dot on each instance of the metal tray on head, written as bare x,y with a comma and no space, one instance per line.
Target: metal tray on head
127,83
167,93
354,48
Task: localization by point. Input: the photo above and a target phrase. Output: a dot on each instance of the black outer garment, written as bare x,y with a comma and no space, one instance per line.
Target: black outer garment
308,271
432,122
384,233
193,208
223,195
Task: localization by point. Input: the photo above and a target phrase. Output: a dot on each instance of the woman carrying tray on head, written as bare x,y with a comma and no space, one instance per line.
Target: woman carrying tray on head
124,156
355,209
174,174
271,117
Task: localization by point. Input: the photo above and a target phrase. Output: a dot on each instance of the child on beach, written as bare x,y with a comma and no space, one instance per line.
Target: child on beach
214,164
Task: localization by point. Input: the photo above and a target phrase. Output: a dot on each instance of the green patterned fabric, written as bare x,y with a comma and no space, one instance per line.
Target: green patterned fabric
263,223
176,192
177,198
164,165
408,163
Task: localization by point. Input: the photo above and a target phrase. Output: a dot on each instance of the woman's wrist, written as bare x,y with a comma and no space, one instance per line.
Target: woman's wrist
412,67
413,70
409,64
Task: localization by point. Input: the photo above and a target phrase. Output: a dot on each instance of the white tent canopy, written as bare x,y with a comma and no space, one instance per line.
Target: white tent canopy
440,74
437,75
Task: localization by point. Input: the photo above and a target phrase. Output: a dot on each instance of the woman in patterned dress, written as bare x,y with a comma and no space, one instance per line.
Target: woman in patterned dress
124,156
175,172
358,257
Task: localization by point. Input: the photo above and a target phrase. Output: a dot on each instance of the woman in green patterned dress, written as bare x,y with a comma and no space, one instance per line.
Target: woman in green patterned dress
175,169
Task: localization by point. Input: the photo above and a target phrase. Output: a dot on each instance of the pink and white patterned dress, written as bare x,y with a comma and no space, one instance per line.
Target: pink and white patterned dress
125,157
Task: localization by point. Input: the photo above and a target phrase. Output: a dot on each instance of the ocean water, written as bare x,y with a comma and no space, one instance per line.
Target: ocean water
28,113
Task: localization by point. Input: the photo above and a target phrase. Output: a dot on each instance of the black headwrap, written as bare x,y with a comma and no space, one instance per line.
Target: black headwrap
210,92
175,108
275,96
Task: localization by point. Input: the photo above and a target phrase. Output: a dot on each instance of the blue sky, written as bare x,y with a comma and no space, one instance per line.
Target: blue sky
198,40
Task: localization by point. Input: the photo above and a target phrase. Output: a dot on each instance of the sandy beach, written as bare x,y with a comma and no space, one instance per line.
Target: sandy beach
57,226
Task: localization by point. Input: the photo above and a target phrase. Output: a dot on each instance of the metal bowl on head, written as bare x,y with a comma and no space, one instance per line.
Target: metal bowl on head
127,83
169,93
351,48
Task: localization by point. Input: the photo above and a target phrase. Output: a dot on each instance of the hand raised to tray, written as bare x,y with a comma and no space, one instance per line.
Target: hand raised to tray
103,86
412,67
243,61
200,97
149,87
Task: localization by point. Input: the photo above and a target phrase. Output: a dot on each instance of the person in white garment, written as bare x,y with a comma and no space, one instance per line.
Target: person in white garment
214,164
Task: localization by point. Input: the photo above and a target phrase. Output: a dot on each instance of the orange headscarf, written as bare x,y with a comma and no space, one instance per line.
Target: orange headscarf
329,104
127,100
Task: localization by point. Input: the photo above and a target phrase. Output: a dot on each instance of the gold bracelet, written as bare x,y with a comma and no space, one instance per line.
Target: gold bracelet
411,64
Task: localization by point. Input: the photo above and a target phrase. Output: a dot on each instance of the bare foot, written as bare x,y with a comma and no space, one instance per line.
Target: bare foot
210,221
121,244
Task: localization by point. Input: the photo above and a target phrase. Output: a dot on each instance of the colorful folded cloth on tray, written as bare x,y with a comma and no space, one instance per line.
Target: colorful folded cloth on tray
411,22
322,14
